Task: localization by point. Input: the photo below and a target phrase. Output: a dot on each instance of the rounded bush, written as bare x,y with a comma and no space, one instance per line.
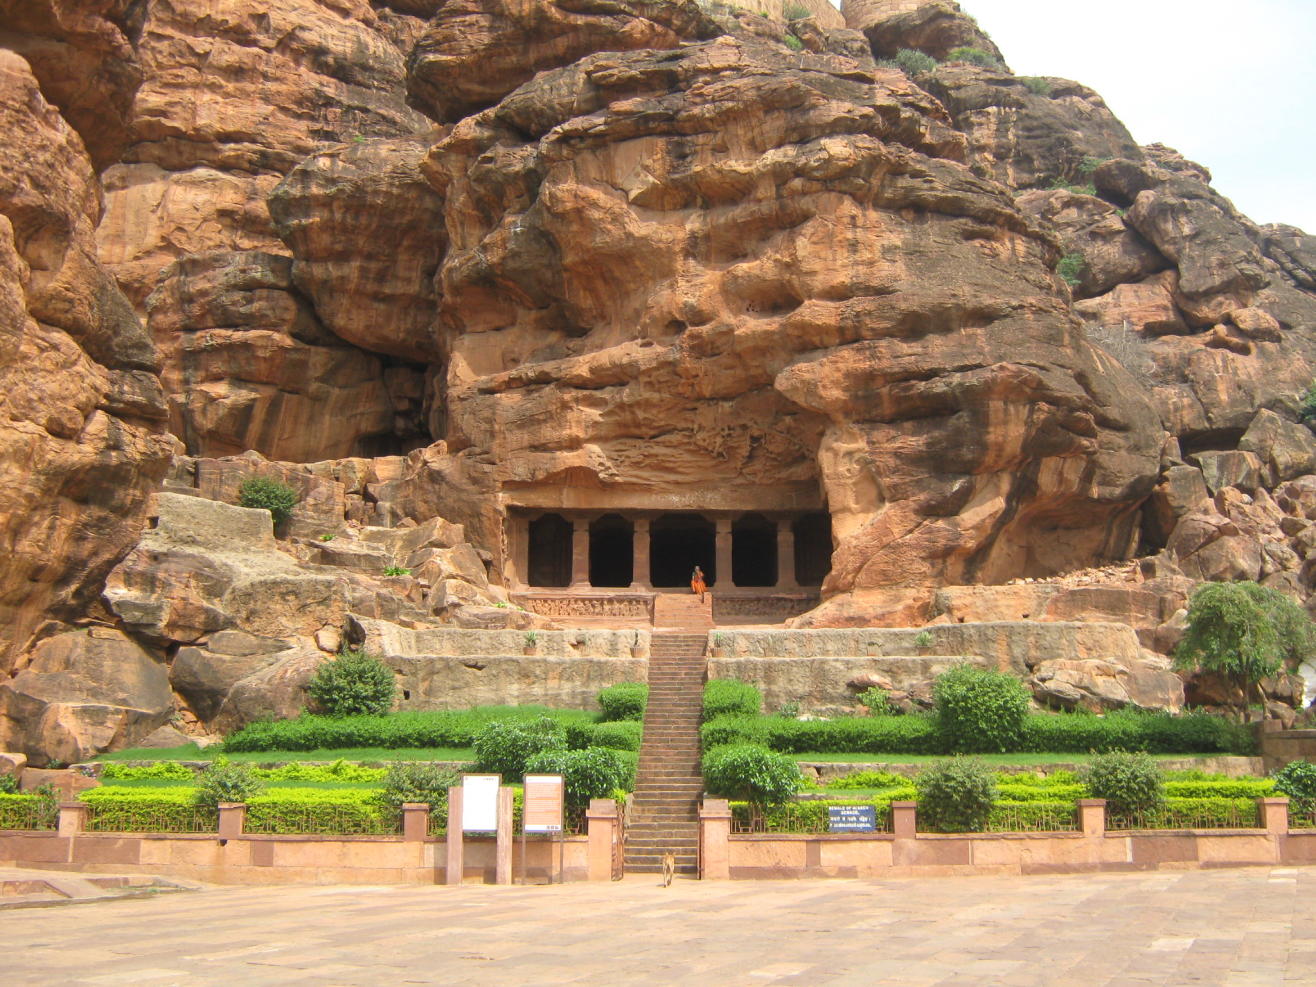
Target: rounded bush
594,773
974,56
913,62
263,493
353,683
412,782
955,796
727,696
224,781
980,711
1128,782
505,746
624,701
1297,780
622,735
753,773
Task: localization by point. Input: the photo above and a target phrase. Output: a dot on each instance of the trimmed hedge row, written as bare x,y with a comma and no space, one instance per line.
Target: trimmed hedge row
1077,733
438,728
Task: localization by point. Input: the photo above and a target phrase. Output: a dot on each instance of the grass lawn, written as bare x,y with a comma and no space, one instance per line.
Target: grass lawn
365,755
1026,760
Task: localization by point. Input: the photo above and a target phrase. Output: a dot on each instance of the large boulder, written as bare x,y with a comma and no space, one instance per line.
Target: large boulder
248,366
933,26
84,692
475,52
1097,685
368,192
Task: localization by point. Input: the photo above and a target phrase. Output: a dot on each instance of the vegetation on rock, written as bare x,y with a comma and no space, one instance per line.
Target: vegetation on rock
263,493
353,683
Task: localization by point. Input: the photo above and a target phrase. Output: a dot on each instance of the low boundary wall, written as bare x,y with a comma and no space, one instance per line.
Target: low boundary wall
907,853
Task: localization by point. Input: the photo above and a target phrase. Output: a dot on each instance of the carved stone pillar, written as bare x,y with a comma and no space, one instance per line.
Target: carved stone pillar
723,580
579,552
640,554
786,555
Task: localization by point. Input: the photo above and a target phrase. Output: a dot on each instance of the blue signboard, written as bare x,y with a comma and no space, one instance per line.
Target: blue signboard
851,819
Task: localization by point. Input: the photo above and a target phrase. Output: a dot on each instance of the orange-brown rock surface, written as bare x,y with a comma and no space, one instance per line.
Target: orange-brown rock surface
82,441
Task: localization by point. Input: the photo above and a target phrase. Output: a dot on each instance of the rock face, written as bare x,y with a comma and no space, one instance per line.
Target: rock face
83,411
248,365
84,692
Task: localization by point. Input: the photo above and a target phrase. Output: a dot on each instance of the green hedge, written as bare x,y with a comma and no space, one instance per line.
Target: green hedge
28,812
624,701
331,813
728,697
1192,813
1075,733
438,728
117,809
858,735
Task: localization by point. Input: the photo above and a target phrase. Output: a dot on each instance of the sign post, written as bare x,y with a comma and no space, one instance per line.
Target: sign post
479,805
851,819
542,813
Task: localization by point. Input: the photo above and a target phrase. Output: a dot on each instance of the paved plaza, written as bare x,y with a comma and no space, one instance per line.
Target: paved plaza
1253,926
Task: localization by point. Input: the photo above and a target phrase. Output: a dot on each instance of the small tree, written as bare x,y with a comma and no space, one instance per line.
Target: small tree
263,493
1297,780
956,796
505,746
594,773
1245,633
353,684
224,781
416,782
979,710
1129,783
760,776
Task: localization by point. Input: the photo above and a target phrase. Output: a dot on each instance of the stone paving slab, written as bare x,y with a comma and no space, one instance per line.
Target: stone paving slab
1226,927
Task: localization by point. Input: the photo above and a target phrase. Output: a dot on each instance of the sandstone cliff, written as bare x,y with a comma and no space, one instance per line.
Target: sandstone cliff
434,259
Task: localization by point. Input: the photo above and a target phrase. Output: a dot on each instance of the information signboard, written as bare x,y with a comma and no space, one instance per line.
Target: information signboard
543,804
480,803
851,819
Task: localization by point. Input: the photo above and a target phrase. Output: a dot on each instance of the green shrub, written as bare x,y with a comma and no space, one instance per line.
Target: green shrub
974,56
338,771
1307,406
878,701
29,811
1244,632
850,734
1156,733
875,780
913,62
593,773
619,735
955,796
263,493
1037,84
1070,268
159,770
223,781
1007,791
793,43
1224,788
352,683
338,812
625,701
504,747
789,710
724,697
396,570
1297,780
1128,782
149,810
8,784
410,782
753,773
1089,164
432,728
979,710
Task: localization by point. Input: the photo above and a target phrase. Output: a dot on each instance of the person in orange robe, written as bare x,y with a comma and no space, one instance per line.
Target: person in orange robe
697,583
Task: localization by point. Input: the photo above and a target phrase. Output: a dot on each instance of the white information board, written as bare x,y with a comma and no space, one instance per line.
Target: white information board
542,812
480,803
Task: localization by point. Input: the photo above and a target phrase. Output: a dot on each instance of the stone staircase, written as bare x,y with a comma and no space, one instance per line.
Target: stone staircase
682,612
665,808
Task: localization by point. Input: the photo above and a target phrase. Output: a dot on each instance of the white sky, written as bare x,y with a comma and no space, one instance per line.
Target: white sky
1228,83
